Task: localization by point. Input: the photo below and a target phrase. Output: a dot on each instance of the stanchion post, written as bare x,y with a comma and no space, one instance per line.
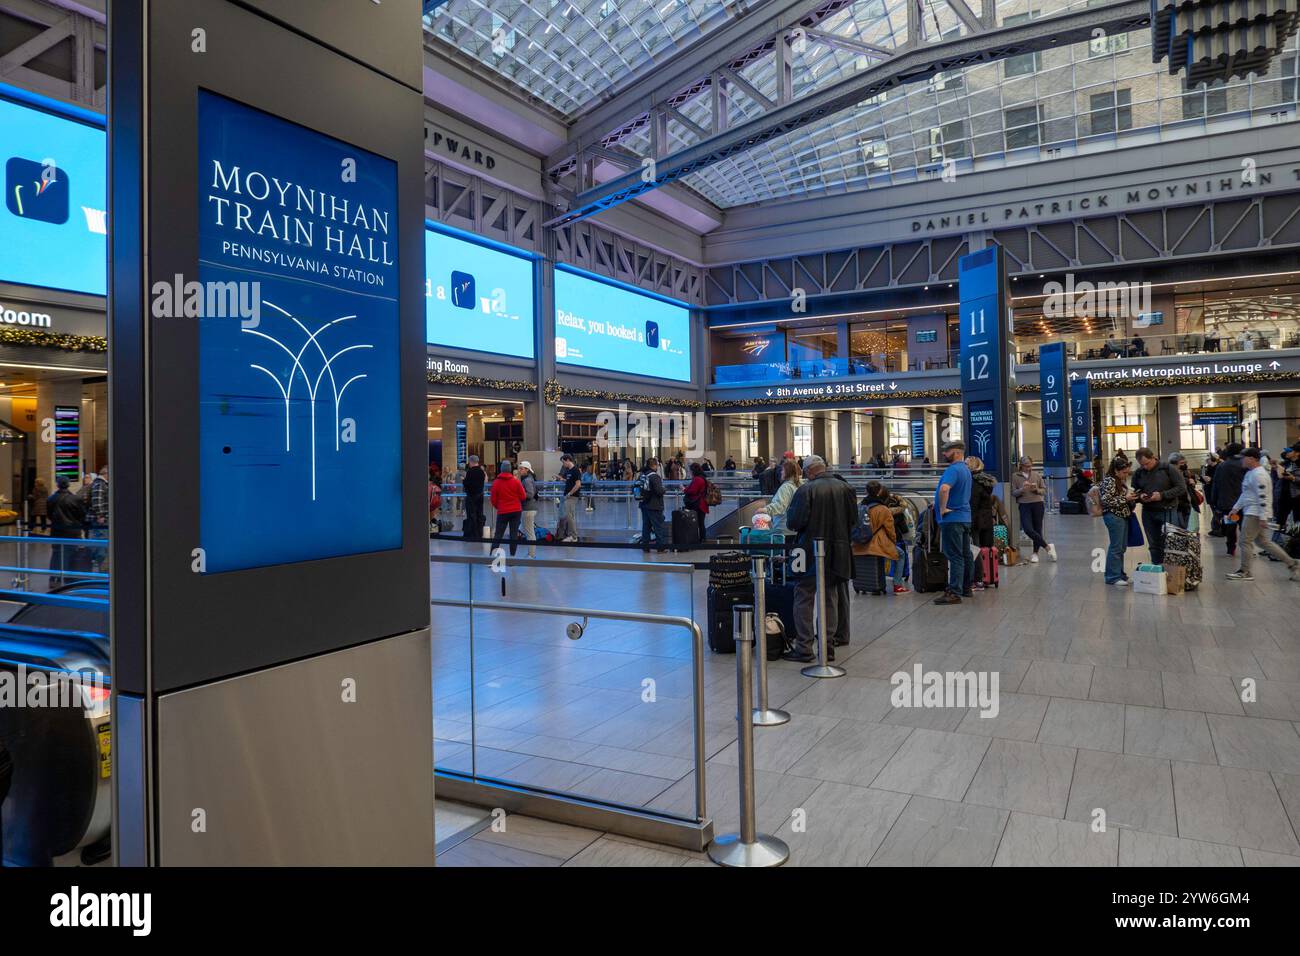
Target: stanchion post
822,668
748,847
764,716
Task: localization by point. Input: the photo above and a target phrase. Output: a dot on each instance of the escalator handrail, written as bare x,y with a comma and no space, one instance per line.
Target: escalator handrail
55,600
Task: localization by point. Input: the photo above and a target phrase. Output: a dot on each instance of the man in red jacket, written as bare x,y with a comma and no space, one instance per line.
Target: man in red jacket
507,497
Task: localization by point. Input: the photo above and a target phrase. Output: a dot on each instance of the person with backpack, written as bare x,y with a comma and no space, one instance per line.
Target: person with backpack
649,488
508,498
1225,489
1160,488
528,517
875,538
696,495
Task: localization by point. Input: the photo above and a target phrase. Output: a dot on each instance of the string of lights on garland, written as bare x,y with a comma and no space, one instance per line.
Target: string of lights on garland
35,338
1104,385
476,381
553,392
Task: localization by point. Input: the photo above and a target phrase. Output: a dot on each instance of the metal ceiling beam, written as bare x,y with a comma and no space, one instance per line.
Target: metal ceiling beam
917,62
729,44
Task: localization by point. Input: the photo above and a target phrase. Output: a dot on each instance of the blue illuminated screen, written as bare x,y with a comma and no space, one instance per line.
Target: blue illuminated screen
604,326
299,408
477,297
53,222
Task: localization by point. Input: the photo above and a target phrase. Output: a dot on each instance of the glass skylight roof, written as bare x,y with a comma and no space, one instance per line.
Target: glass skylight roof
569,53
1091,96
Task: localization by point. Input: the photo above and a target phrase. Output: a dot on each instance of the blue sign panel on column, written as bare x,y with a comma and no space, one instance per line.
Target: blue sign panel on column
1052,394
1081,415
299,416
985,367
918,439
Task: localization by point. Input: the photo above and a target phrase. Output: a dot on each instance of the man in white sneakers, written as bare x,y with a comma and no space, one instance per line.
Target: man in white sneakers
1252,509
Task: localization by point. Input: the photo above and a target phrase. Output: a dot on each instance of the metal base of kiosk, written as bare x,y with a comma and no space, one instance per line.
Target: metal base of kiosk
322,762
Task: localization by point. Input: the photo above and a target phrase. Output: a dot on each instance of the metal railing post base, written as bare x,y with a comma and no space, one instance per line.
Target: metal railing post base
772,717
766,850
822,670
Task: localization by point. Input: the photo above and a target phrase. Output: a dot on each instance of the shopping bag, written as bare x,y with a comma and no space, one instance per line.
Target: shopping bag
1135,536
1150,582
1175,578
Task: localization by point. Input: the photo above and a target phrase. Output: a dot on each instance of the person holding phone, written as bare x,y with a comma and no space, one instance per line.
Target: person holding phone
1029,490
1160,489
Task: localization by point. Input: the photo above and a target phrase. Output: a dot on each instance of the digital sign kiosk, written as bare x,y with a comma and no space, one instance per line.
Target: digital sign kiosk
270,606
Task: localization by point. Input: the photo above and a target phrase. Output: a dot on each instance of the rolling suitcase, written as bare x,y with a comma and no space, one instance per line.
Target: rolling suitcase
868,576
929,566
986,567
685,529
721,601
1184,548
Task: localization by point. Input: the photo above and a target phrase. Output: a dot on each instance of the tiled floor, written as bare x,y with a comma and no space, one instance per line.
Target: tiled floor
1133,729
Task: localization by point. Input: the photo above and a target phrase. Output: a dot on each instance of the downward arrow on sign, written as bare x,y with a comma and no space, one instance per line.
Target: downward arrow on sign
893,386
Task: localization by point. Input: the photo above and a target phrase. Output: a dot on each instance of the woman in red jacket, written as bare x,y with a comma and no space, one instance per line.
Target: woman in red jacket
507,497
696,495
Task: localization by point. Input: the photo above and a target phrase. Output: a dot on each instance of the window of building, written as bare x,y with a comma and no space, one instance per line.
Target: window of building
1203,102
802,440
1288,71
1026,63
1111,111
1023,126
875,155
949,141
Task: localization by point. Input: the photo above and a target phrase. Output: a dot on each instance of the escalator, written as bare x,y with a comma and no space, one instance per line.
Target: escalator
58,807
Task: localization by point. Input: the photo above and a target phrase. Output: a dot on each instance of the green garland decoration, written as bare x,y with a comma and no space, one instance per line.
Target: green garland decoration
553,391
836,399
35,338
475,381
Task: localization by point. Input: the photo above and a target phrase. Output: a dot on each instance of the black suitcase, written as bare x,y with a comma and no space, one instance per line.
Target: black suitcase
929,570
721,602
868,576
1069,507
779,599
685,530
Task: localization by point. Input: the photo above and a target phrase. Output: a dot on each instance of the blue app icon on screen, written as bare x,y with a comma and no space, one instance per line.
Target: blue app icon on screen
36,191
462,290
652,334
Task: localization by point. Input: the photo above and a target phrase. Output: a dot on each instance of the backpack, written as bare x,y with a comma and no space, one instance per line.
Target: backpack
641,487
712,494
861,533
1093,500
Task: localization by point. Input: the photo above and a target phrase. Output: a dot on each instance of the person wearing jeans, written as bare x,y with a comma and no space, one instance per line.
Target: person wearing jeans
952,509
1254,506
652,507
1117,505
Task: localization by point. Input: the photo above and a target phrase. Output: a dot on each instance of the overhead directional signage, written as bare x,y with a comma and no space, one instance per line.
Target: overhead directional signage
1052,396
987,399
1081,416
1155,371
1220,415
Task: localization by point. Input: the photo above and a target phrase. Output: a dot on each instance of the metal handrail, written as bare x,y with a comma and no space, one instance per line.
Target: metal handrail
697,637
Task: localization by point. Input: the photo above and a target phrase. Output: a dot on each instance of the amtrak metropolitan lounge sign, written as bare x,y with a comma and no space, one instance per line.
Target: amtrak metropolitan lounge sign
1241,369
299,410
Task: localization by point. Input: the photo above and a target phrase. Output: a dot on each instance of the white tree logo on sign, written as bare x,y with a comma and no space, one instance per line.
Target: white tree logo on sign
982,438
313,386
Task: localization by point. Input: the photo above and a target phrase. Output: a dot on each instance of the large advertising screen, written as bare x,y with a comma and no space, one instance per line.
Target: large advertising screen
604,326
299,417
477,297
53,223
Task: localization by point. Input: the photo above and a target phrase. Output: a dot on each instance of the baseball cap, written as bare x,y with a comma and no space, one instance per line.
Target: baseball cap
526,464
950,445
